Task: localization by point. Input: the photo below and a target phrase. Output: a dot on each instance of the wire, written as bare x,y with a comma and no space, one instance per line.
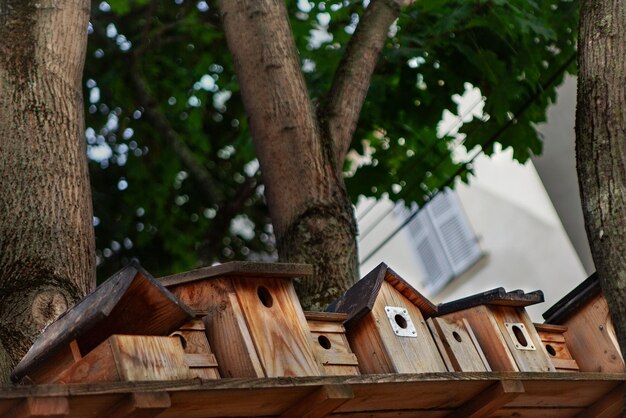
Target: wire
492,139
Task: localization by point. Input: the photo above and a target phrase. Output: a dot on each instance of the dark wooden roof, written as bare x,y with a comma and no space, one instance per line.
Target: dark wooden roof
497,296
359,299
240,269
129,302
572,302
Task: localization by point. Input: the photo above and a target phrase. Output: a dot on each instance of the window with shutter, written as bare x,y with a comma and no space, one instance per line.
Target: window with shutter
445,244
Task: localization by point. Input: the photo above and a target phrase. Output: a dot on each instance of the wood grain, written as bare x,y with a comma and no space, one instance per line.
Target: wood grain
610,405
320,403
335,356
140,405
40,407
489,401
554,345
368,347
198,354
457,342
279,332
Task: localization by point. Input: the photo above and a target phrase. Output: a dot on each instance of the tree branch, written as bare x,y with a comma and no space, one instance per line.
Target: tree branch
354,73
199,173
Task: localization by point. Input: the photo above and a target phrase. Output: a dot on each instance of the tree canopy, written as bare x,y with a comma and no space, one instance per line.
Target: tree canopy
175,178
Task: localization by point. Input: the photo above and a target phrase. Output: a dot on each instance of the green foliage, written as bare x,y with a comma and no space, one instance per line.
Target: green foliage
151,206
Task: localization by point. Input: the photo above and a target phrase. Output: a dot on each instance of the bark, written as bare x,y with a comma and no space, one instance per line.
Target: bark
601,146
312,216
47,247
353,76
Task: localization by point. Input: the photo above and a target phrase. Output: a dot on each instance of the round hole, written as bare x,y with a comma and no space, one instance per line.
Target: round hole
324,342
550,350
519,334
456,336
265,297
400,321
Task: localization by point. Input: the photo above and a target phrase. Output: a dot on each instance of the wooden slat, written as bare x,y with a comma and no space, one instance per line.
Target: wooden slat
325,327
458,344
490,400
320,403
200,360
57,406
325,316
610,405
368,346
140,405
496,296
279,332
240,269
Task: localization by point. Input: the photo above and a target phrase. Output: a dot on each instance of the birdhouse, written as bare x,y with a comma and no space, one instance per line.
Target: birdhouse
130,302
553,342
198,354
458,345
254,322
590,334
386,325
503,328
330,345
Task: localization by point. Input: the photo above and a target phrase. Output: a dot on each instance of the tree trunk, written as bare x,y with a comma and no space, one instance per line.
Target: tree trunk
311,213
47,248
601,146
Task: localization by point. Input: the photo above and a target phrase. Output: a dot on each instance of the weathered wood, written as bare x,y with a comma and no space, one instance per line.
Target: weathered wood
330,344
496,296
130,302
457,342
130,358
140,405
240,269
554,344
489,401
610,405
326,316
277,326
360,298
48,407
198,354
320,403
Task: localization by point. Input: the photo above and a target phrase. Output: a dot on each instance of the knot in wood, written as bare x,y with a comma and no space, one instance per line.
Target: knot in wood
47,306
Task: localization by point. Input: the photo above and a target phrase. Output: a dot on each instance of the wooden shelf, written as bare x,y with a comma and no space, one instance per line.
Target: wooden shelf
398,395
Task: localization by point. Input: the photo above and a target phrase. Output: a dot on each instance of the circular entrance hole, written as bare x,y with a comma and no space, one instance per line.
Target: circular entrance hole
265,297
324,342
457,336
550,350
400,321
519,334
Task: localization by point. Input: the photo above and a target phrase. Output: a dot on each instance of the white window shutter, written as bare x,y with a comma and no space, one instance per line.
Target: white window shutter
456,237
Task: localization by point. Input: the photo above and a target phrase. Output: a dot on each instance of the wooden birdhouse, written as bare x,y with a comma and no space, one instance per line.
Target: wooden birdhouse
198,354
330,345
458,345
590,334
386,325
502,328
553,342
130,302
254,322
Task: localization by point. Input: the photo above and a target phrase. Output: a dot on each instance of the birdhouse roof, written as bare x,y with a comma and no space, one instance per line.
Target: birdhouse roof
498,296
360,298
129,302
240,269
573,301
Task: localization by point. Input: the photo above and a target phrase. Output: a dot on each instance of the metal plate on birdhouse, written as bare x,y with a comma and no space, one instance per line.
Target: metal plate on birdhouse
400,321
519,335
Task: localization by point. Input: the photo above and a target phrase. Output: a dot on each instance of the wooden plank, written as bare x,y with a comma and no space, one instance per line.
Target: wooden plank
325,327
325,316
610,405
240,269
140,405
489,401
537,412
591,338
277,327
407,354
57,406
320,403
459,345
487,332
198,354
535,360
368,347
496,296
129,302
97,366
200,360
566,393
440,345
226,328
